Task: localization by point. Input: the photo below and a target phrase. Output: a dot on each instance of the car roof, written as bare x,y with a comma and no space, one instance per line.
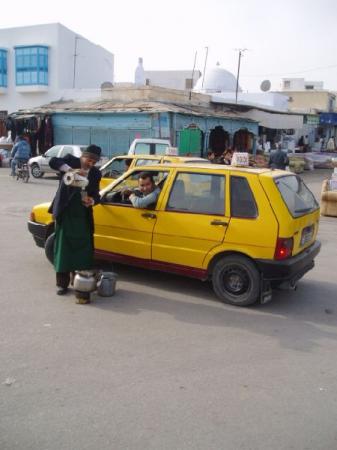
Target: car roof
151,141
217,167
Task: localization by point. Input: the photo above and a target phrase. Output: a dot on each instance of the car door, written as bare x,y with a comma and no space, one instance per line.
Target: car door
192,220
123,232
53,151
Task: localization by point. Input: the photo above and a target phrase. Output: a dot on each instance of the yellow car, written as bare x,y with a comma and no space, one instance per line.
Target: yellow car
119,164
247,230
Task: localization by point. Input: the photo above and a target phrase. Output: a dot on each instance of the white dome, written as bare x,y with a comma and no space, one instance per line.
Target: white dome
217,80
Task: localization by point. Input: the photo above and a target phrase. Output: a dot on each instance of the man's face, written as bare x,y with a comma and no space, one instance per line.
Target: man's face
87,163
145,185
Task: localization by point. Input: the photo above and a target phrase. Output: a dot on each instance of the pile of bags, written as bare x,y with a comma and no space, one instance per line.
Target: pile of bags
329,196
296,163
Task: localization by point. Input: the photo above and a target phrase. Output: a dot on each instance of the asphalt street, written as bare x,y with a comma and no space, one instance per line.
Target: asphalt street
163,364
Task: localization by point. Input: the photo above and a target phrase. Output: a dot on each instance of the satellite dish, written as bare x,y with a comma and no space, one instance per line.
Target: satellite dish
107,85
265,85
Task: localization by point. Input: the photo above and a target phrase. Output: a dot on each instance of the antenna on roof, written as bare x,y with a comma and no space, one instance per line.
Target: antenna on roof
195,60
203,76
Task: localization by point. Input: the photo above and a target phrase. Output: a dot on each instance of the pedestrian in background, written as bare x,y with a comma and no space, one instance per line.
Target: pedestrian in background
278,159
20,154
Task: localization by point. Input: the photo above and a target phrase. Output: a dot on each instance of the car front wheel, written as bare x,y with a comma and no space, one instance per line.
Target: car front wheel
236,280
36,171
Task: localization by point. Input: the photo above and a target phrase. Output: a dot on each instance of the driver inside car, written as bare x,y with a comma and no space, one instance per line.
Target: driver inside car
146,195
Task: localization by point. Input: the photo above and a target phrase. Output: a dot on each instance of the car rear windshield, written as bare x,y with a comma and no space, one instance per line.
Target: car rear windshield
295,194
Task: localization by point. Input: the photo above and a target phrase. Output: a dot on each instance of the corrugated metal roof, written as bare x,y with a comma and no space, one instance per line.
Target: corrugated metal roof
150,107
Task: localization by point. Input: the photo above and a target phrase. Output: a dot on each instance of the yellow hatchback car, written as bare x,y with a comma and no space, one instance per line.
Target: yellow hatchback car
247,230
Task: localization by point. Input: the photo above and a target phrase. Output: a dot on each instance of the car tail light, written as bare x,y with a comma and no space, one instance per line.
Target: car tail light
32,217
284,248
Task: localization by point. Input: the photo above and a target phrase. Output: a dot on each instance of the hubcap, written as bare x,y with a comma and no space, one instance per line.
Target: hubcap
36,171
236,280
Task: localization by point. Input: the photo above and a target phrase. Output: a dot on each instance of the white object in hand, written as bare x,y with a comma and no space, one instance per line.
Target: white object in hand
75,180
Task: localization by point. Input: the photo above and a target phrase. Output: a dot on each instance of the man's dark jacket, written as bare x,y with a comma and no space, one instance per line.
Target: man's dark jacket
278,160
65,193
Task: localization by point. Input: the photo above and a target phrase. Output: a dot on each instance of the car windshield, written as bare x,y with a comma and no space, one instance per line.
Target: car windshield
295,194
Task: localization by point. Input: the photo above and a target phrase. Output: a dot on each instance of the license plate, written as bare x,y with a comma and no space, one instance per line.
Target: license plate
307,234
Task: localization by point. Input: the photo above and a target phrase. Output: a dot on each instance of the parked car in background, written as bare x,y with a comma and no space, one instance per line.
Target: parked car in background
149,147
39,165
119,164
245,230
5,156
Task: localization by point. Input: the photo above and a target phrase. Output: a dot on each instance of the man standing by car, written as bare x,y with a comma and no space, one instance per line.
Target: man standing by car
145,196
74,225
20,154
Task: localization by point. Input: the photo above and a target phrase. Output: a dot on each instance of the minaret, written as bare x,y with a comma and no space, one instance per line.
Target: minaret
139,74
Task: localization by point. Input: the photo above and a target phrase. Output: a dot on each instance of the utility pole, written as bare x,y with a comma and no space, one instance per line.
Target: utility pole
240,50
203,76
195,61
75,56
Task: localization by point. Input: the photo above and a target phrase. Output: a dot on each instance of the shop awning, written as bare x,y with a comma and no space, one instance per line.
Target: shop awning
274,120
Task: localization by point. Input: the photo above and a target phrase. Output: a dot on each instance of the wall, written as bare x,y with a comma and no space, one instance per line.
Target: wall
11,37
309,101
129,94
113,132
172,79
94,66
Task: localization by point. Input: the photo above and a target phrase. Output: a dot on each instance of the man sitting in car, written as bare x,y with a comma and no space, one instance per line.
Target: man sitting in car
146,195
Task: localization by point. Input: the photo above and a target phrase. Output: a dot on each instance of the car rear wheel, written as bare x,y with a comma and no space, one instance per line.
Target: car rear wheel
236,280
49,248
36,171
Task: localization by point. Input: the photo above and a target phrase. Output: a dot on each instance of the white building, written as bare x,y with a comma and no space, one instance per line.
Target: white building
172,79
44,63
300,84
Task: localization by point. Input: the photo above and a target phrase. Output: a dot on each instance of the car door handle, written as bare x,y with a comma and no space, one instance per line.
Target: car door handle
219,222
149,215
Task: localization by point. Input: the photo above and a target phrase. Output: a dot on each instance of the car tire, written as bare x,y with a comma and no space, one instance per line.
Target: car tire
236,280
36,171
49,248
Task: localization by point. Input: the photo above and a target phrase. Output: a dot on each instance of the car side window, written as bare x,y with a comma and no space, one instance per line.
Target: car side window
243,203
66,151
115,169
115,195
53,151
198,193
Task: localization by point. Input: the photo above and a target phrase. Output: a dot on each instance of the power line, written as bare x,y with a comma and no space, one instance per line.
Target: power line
291,73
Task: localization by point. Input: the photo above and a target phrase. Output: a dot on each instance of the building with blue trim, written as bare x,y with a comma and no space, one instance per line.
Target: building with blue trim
43,63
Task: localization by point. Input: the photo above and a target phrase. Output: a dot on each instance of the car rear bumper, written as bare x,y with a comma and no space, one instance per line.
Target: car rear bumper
39,231
290,269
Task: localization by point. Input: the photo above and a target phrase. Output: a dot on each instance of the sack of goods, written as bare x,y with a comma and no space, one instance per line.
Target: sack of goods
240,159
296,164
329,196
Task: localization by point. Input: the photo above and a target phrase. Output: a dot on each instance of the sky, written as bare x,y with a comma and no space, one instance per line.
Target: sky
288,38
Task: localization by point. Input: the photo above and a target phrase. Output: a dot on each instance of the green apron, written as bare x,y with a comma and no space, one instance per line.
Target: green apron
73,248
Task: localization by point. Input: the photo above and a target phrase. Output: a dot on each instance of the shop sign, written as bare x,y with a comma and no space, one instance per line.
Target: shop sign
311,120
